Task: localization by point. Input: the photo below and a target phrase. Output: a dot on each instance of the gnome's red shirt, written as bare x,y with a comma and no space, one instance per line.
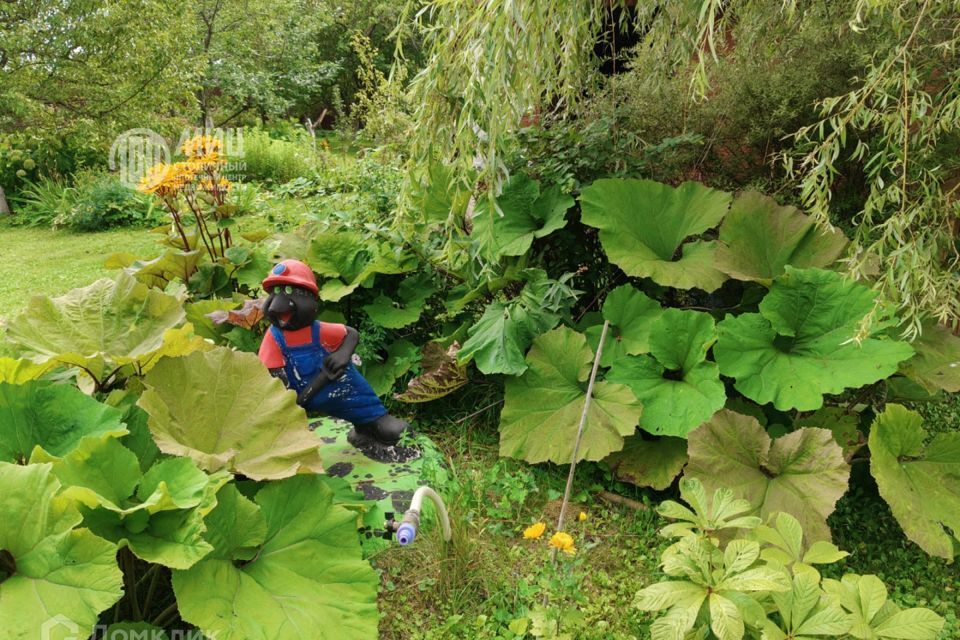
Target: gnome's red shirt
331,337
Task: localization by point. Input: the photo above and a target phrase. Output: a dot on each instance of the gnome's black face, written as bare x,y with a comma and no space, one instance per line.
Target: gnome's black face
290,307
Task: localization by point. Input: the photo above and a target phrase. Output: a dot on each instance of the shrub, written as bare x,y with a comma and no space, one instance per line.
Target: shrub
274,161
103,202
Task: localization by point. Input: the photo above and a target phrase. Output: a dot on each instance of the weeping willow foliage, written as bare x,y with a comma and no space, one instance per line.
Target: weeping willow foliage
494,65
900,124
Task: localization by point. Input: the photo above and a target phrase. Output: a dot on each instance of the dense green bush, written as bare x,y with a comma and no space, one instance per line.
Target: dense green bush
95,202
274,161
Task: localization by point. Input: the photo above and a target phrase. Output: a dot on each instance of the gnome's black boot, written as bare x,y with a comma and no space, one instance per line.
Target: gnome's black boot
378,439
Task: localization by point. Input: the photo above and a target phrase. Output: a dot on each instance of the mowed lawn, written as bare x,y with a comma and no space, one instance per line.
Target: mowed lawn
43,261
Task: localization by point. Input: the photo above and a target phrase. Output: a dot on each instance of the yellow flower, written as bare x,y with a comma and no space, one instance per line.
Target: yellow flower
200,146
582,516
562,541
534,531
222,185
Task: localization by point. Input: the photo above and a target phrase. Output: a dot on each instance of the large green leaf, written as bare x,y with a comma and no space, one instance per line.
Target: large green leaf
170,265
649,463
920,483
158,514
679,389
804,612
288,565
99,327
224,410
802,473
542,408
401,356
631,315
396,314
499,339
49,567
801,345
758,238
643,224
524,215
348,260
54,417
20,370
937,363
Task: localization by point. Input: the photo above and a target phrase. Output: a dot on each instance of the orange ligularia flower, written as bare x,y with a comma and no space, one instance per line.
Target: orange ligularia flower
534,531
561,540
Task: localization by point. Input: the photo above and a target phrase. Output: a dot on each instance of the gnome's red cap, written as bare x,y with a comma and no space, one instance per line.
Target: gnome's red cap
292,272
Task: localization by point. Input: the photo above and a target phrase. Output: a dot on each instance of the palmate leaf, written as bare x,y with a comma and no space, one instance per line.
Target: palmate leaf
289,563
649,463
542,408
524,215
758,238
157,514
104,325
936,365
783,536
225,411
631,315
723,511
802,473
803,611
59,570
920,483
53,417
679,389
874,617
644,223
800,346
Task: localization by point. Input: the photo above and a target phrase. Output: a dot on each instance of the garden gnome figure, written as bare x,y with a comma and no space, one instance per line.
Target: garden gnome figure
315,359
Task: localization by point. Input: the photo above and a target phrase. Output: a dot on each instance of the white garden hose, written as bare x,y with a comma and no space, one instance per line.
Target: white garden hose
407,530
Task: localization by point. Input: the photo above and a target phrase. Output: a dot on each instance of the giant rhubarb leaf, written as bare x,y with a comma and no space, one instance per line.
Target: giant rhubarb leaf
107,324
158,514
53,577
679,389
225,411
801,345
920,483
286,566
53,417
524,215
802,473
631,315
542,408
937,363
643,225
396,314
759,238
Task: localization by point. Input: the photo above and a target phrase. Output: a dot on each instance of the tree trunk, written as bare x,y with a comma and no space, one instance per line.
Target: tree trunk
4,207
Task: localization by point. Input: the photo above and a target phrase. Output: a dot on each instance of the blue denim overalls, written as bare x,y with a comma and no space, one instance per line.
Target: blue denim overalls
350,397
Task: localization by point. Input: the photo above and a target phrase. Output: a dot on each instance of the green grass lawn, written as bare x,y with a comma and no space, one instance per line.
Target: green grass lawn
42,261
